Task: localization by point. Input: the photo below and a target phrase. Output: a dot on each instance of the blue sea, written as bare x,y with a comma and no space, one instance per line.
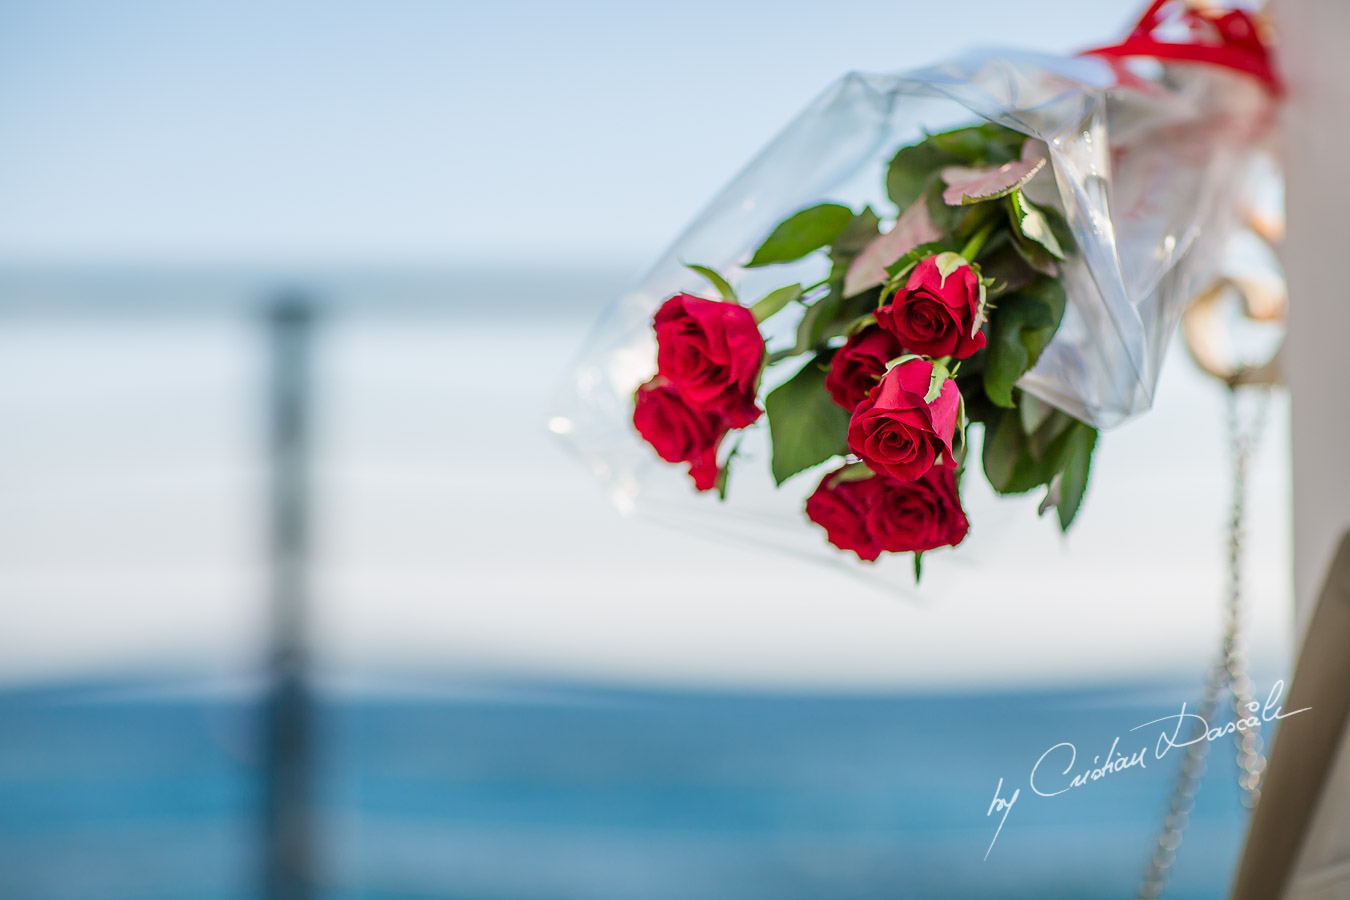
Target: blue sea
487,791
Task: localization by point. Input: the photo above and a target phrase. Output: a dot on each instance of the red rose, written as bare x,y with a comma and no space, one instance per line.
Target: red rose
914,516
880,513
678,432
859,365
840,507
936,315
711,351
899,433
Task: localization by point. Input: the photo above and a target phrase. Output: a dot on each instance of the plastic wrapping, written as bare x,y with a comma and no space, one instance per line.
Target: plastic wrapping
1145,167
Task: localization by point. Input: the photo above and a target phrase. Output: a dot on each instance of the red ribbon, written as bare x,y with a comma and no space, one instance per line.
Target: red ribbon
1227,38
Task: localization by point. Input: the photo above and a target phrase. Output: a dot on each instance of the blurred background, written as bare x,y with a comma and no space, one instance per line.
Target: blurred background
298,598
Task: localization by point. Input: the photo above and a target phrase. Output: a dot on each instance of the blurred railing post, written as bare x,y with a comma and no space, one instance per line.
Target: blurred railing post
288,740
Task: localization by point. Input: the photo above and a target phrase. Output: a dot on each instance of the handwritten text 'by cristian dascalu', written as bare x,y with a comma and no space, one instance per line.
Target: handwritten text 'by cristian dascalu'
1058,770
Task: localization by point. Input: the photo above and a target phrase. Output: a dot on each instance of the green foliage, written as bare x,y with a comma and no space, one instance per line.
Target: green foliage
1023,452
1020,327
1004,266
1033,412
1028,443
852,472
1011,462
915,168
1059,229
724,473
1015,247
982,144
832,316
985,183
1073,480
806,426
815,324
774,301
860,231
720,483
907,177
901,266
803,233
721,284
1032,235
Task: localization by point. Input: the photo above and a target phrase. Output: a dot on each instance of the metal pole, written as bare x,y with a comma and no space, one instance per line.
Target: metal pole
288,747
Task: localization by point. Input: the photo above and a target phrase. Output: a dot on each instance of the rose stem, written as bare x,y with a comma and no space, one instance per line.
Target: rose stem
972,247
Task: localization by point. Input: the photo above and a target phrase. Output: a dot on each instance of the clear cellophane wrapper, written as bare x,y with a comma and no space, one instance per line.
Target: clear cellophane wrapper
1148,165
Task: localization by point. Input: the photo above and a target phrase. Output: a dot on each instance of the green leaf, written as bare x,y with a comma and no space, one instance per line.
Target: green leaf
1034,412
907,176
1004,446
852,472
1035,256
970,382
1020,327
725,471
967,186
947,218
1016,462
1005,266
1059,227
866,320
1030,222
832,316
960,446
901,266
913,169
774,301
911,230
983,143
806,426
860,231
1073,480
723,287
802,233
937,380
967,145
811,329
1045,439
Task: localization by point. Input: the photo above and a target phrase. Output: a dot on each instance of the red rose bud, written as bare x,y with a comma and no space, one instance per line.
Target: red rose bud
914,516
859,364
678,432
711,351
936,314
898,432
840,506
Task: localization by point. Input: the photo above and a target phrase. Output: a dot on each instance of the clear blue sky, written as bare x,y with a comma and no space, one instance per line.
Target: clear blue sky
437,132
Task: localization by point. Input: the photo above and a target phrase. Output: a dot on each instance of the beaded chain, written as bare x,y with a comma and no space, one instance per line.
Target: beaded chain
1229,671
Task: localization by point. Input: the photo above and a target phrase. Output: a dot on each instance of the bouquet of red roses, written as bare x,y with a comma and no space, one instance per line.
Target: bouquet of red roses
1005,241
914,333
